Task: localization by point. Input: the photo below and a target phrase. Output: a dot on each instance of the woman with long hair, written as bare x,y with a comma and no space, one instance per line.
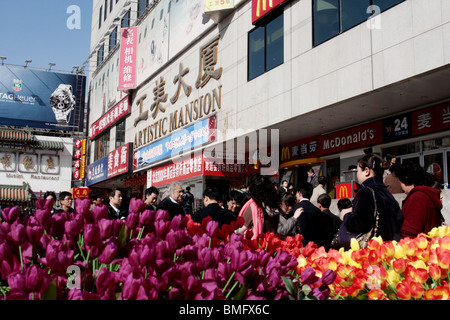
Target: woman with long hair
361,218
261,213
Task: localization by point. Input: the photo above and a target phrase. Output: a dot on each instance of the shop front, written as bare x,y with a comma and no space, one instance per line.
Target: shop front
421,135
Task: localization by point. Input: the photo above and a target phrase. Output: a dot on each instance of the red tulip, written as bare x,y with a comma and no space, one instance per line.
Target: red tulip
403,290
399,265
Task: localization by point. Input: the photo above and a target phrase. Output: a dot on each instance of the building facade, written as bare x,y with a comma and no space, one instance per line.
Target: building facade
205,93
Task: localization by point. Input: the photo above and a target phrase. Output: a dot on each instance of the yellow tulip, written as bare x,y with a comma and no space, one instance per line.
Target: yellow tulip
418,264
302,262
400,251
393,277
354,244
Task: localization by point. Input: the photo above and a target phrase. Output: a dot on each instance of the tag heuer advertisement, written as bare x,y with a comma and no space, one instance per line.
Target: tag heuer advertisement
41,99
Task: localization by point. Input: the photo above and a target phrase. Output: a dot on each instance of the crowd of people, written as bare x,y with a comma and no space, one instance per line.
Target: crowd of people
287,211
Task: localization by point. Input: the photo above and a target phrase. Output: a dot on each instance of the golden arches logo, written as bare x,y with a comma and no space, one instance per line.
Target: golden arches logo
285,154
263,4
343,191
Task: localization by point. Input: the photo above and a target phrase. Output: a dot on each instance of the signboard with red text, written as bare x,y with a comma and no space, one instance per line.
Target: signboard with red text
116,113
120,161
127,71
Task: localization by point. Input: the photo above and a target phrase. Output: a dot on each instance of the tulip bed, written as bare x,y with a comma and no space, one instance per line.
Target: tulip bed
147,256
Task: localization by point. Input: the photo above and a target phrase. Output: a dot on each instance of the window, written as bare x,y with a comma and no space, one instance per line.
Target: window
332,17
100,54
142,5
106,10
113,39
120,134
126,20
265,47
100,17
111,5
101,146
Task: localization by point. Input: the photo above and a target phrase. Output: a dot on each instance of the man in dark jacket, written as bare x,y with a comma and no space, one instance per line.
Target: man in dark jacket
314,224
211,197
172,202
324,202
115,210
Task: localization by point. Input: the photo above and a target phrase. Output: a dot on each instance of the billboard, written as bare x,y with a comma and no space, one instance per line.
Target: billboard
41,99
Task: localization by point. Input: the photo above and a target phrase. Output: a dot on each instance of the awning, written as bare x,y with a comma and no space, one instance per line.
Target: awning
15,135
15,193
300,162
48,145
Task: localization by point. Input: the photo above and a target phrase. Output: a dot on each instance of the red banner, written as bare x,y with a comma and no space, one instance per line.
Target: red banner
187,168
80,193
119,161
224,169
119,111
128,45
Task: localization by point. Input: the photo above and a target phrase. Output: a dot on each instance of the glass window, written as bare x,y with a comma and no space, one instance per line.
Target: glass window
120,134
100,14
325,20
113,39
126,20
353,13
265,47
274,43
142,5
256,53
106,10
100,54
102,146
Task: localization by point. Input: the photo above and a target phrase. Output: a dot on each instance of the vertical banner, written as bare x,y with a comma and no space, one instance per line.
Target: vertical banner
127,72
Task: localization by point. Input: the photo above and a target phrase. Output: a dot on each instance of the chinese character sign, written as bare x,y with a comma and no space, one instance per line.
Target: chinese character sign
127,72
116,113
119,161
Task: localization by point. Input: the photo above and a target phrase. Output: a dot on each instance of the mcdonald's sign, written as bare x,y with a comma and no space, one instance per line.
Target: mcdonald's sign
262,7
345,190
285,154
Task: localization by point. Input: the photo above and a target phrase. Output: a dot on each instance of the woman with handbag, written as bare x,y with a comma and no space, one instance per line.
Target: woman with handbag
375,212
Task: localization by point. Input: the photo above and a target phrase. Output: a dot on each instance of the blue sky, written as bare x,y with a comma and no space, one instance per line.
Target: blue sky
40,30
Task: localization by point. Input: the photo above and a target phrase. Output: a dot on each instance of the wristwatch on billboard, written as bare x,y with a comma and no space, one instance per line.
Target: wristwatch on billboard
62,102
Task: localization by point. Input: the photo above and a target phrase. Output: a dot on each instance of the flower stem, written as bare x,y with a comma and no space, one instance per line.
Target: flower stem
228,282
21,259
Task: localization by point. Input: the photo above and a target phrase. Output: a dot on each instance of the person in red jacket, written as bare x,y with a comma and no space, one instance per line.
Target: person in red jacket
422,206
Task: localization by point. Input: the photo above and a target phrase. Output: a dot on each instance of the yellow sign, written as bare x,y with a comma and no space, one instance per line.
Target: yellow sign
215,5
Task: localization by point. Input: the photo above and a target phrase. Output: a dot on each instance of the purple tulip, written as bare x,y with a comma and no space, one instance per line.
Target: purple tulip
82,206
328,277
188,252
16,281
208,258
72,228
161,228
322,292
212,228
132,220
43,216
92,235
109,251
147,220
175,239
58,257
10,214
100,212
106,228
309,277
179,222
136,205
18,233
106,280
34,279
57,222
147,255
162,215
131,289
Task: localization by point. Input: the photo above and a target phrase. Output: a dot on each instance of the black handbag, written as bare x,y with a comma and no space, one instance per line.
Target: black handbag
343,237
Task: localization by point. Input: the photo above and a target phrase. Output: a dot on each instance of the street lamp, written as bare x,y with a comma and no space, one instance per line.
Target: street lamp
51,64
3,59
27,62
